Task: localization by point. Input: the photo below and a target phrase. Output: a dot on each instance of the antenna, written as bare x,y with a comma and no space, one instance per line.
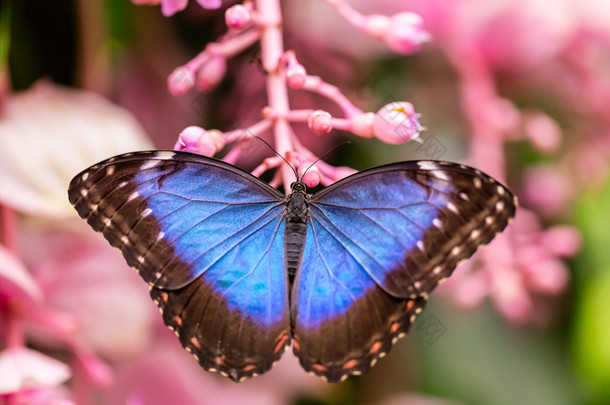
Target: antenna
323,156
296,175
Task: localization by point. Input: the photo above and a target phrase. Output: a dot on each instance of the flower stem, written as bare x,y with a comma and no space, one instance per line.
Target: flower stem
272,49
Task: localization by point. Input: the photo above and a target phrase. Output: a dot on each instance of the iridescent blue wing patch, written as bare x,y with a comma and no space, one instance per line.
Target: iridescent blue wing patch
377,243
208,238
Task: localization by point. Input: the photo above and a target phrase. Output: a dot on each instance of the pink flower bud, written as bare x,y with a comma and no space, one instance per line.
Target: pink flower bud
548,189
312,177
209,4
171,7
180,81
197,140
296,76
543,131
548,276
211,73
397,123
405,33
320,122
238,16
562,240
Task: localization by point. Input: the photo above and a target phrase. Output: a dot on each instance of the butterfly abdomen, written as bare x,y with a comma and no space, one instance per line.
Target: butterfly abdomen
296,229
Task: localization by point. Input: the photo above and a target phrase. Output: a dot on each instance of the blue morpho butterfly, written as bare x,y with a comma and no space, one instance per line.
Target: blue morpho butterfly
240,271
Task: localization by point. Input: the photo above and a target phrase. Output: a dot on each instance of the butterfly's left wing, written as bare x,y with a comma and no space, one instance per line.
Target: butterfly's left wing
208,238
377,243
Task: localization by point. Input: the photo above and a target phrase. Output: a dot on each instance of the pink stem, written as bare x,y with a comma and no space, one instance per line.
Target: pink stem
228,48
348,13
317,85
249,132
8,228
14,336
272,48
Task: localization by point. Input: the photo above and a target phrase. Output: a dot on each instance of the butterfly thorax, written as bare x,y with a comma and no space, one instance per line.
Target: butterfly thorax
297,211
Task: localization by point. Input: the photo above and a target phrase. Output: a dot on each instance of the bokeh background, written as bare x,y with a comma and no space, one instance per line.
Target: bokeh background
83,80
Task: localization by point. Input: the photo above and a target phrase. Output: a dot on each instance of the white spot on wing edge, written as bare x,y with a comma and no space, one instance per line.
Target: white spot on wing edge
437,223
427,165
85,176
146,212
110,170
452,207
165,155
439,174
160,236
149,164
477,182
133,195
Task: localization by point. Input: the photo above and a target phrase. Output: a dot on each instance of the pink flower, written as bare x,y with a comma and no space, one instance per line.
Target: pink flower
181,80
543,131
309,173
197,140
548,189
48,134
320,122
238,16
405,33
23,369
171,7
397,123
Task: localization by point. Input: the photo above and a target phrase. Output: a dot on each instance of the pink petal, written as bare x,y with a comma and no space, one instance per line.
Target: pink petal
210,4
82,275
50,133
22,368
15,280
171,7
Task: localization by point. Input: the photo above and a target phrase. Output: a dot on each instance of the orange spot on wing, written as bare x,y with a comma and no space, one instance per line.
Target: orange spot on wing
178,320
375,348
164,297
410,305
218,361
318,367
281,341
350,364
195,343
249,367
296,344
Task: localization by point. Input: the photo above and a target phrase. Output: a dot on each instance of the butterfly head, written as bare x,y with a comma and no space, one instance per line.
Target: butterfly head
298,187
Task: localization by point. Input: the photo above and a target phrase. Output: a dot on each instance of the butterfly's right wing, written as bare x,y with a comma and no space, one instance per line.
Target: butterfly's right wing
208,238
378,242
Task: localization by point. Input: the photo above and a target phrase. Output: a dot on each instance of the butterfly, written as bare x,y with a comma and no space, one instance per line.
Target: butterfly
241,272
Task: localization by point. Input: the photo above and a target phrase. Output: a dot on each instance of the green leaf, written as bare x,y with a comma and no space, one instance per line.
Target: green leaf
5,35
591,331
